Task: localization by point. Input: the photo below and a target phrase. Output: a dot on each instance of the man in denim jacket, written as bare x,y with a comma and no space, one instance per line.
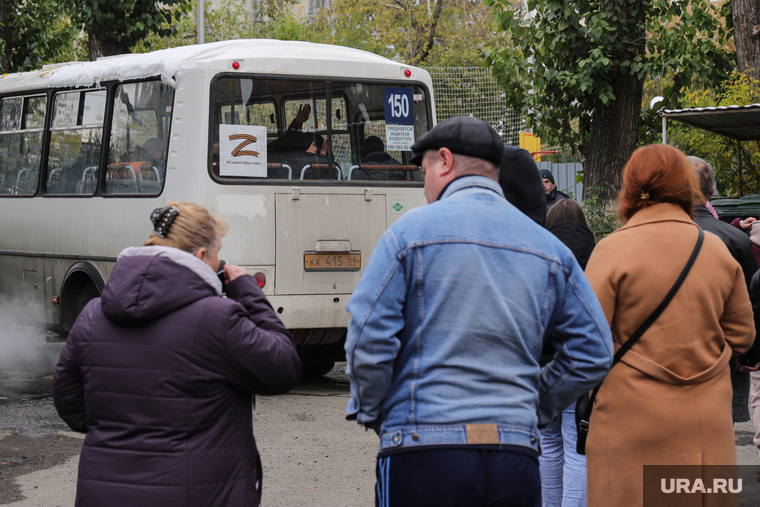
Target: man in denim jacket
448,323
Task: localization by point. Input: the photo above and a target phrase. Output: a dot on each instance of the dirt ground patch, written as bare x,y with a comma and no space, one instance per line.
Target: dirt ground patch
20,454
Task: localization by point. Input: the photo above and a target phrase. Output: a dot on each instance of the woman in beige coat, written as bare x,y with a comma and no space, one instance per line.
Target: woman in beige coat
668,402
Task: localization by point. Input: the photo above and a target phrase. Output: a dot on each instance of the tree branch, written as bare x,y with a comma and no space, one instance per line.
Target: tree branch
417,60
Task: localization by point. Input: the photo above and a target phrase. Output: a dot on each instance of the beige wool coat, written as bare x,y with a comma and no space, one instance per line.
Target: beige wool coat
668,402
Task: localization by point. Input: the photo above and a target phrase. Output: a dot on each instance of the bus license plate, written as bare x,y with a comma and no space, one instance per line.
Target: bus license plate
332,261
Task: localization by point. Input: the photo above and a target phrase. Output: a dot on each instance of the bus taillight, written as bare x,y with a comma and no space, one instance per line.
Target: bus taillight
260,279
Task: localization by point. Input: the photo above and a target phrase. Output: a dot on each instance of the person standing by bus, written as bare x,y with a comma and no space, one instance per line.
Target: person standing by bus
159,373
447,324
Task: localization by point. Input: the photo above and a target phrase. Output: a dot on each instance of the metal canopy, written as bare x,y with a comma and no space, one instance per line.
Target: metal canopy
737,122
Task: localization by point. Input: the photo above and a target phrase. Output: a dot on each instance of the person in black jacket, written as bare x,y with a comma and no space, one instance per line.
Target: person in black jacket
160,370
563,470
553,195
740,247
521,183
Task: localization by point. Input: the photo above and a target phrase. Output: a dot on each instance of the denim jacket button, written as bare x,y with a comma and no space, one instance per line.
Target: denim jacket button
396,438
415,437
533,440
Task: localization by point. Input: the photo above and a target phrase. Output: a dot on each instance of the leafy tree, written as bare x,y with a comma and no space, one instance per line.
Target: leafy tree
736,164
113,27
34,32
578,69
405,30
432,33
271,19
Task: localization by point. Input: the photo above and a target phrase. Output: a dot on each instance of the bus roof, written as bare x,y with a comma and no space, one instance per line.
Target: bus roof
260,56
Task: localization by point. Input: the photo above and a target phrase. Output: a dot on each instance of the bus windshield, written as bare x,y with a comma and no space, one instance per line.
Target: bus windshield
310,129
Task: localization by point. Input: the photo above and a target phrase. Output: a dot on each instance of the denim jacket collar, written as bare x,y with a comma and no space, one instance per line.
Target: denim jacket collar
469,181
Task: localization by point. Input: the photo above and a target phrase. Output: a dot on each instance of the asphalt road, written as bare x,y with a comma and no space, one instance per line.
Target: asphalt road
311,455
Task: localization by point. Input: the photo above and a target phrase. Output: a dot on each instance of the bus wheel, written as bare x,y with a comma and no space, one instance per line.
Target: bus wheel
81,284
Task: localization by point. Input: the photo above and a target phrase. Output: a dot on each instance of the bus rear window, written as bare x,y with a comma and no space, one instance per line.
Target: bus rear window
139,138
281,129
22,120
75,141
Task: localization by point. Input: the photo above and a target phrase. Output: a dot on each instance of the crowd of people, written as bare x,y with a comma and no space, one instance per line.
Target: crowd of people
552,376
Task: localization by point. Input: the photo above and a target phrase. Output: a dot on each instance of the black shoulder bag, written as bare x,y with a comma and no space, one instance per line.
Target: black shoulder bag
585,403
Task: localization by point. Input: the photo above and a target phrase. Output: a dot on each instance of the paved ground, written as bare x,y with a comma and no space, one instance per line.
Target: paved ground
311,455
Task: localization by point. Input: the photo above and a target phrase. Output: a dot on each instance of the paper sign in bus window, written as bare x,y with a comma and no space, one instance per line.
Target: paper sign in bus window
399,119
243,150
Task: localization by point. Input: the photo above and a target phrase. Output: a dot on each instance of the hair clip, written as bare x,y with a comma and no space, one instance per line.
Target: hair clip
162,219
644,196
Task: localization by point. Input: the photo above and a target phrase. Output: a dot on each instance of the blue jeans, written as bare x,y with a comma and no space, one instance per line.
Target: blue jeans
563,471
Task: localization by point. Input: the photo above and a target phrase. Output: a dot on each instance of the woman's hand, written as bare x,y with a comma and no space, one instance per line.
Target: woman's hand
232,272
747,223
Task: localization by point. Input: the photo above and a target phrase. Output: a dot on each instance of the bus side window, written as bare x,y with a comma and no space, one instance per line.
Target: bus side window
22,120
75,141
137,153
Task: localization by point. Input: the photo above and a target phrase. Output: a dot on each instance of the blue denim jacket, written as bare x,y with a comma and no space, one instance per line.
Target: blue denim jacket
449,319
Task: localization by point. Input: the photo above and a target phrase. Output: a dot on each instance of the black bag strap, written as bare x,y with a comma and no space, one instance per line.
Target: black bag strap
650,320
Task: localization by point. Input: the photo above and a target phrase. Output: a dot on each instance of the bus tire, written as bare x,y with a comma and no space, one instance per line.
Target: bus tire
81,284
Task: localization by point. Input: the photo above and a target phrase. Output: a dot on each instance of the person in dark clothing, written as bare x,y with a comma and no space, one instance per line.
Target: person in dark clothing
159,373
740,247
563,470
521,183
550,189
373,153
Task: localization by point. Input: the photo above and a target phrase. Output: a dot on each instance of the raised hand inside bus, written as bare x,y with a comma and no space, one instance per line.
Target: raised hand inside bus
304,110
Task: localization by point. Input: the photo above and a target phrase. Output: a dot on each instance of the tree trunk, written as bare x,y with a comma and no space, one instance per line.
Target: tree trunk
613,137
98,46
5,35
746,16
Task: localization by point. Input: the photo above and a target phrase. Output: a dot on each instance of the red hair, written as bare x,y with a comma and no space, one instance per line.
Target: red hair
655,174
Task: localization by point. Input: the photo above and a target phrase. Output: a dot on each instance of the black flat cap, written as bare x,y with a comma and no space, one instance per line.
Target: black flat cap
463,135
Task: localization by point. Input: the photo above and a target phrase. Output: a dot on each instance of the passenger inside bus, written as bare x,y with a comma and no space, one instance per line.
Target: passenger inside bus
373,153
312,164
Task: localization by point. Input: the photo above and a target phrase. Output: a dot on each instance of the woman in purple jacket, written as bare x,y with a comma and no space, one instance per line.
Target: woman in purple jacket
159,373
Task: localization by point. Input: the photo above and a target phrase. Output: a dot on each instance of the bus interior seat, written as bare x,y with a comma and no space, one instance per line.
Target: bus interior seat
150,179
121,179
89,180
309,170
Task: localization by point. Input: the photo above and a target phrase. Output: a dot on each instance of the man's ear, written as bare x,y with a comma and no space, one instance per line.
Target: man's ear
200,253
447,159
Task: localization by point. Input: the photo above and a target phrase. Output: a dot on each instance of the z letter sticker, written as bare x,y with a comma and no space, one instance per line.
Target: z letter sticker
243,150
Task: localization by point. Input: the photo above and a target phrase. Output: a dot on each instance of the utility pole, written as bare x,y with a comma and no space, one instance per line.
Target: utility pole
200,22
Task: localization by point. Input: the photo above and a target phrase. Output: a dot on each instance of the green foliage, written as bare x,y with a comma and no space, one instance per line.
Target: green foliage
566,56
601,221
119,25
231,20
464,29
39,32
736,164
400,29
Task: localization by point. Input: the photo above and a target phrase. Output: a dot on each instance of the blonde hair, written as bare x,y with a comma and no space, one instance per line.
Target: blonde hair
193,228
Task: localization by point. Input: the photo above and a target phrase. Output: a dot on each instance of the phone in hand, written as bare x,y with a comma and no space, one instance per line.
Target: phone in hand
220,274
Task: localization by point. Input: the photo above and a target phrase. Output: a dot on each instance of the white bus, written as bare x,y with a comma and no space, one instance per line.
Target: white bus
303,148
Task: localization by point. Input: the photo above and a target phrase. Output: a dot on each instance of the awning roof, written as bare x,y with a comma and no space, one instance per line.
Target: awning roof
737,122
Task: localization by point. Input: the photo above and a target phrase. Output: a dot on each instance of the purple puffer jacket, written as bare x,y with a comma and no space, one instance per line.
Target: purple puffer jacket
159,373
